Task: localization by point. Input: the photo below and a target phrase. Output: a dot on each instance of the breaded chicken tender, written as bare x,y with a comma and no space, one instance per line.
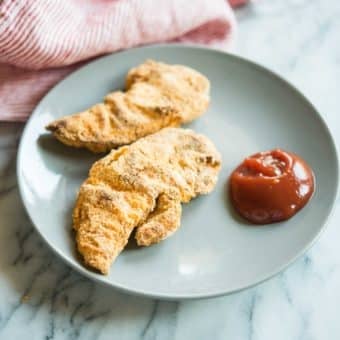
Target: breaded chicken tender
157,95
141,186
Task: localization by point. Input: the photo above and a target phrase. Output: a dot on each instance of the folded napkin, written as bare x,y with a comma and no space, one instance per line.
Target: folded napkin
41,41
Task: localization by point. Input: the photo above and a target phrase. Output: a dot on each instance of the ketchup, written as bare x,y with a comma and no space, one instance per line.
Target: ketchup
271,186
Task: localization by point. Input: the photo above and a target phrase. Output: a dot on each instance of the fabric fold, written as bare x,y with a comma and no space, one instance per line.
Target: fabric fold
41,41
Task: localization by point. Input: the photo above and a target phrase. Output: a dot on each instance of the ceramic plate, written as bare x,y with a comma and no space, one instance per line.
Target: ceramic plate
214,252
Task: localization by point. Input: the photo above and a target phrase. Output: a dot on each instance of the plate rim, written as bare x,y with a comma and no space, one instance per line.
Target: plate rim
190,296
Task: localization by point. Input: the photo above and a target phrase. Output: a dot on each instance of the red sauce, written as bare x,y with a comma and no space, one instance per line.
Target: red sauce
271,186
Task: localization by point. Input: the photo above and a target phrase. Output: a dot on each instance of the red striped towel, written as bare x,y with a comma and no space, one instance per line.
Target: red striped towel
41,41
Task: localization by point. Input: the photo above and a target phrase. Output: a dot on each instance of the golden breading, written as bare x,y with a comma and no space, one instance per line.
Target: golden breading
143,186
157,96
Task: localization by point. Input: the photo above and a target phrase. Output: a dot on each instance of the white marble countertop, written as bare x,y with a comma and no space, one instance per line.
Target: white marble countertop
42,298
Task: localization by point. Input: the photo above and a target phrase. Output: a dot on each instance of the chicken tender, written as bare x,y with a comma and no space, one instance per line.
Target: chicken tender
157,96
141,186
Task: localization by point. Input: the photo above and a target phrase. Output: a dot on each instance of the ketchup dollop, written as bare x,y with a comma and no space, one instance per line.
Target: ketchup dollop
271,186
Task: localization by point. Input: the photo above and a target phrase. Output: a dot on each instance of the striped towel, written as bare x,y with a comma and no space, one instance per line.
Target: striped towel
41,41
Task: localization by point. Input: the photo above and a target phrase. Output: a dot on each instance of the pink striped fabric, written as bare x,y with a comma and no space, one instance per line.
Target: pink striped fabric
41,41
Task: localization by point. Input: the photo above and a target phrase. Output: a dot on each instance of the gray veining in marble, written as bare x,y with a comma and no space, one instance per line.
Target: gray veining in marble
42,298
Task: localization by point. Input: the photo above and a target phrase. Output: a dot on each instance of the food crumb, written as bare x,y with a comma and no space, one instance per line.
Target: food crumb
25,298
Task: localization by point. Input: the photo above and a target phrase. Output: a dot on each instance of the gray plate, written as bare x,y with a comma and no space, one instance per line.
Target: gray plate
214,252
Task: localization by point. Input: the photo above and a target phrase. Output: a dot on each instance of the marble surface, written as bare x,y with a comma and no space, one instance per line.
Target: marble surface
44,299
